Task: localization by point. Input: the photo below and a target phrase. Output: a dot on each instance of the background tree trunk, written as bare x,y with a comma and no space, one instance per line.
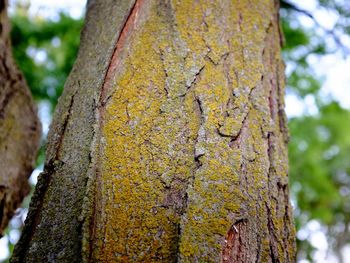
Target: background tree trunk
169,142
19,128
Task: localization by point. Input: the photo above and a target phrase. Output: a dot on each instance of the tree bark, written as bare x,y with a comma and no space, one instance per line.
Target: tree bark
169,142
19,129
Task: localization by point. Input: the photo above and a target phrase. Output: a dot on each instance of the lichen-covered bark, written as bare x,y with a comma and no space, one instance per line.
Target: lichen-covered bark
19,129
169,143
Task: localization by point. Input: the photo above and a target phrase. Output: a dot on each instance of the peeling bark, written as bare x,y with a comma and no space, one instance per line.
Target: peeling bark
19,129
174,146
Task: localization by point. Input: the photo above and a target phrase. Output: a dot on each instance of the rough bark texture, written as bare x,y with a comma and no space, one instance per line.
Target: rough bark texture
169,142
19,129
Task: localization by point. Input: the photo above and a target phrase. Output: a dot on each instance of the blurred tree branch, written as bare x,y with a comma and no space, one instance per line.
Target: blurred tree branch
287,5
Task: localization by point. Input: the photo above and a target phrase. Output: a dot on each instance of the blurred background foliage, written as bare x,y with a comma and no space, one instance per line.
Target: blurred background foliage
45,51
319,148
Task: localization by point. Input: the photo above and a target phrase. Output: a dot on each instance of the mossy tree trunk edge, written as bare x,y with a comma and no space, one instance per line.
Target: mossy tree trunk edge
19,128
169,143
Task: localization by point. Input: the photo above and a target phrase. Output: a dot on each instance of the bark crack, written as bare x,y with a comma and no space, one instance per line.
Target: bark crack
223,57
234,138
128,26
64,127
198,151
196,76
165,73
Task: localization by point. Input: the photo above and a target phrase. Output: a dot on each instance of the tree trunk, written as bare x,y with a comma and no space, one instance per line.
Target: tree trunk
169,142
19,129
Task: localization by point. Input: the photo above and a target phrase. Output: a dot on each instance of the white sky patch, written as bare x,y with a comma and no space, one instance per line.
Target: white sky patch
306,21
4,251
325,18
294,106
333,67
337,84
33,179
315,232
45,116
14,235
50,8
310,105
307,5
346,253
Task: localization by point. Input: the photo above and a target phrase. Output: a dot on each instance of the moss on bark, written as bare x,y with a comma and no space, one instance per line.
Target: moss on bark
174,148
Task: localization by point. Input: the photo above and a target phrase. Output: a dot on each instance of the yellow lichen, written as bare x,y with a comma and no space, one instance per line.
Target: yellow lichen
171,159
